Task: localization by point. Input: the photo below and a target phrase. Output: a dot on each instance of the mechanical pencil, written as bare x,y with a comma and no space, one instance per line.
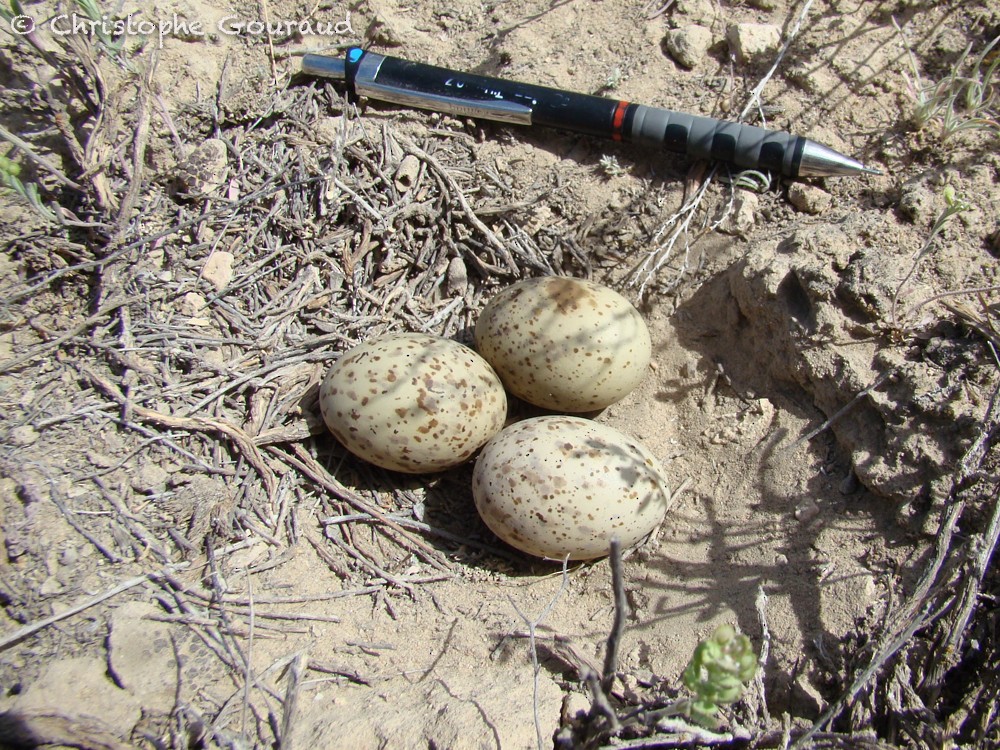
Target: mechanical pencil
411,84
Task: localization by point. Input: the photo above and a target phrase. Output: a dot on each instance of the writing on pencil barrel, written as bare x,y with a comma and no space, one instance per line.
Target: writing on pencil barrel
411,84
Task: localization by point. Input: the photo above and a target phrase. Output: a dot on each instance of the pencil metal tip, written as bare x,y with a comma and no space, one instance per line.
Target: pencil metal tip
822,161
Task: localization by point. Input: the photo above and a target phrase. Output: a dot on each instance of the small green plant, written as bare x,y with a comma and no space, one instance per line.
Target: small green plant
92,11
720,668
965,99
954,205
10,178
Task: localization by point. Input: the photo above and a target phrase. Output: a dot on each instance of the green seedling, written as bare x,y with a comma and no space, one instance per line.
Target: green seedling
10,178
719,670
954,205
965,99
92,11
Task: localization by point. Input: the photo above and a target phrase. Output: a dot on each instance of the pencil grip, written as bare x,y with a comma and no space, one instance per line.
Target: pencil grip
707,138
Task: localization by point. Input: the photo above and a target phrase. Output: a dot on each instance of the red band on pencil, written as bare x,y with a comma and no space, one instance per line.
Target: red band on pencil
618,120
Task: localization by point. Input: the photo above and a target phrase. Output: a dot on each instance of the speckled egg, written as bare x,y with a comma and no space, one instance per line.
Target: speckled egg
564,344
563,485
413,402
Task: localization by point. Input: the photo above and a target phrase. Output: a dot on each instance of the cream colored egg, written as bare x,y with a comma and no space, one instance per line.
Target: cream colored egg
412,402
562,485
564,344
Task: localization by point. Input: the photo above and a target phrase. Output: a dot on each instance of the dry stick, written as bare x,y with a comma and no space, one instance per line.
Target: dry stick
270,40
312,469
248,677
366,563
71,520
760,603
427,529
21,633
679,733
621,614
950,293
988,542
243,442
842,410
55,343
331,562
26,149
299,665
891,644
139,140
459,195
265,190
532,626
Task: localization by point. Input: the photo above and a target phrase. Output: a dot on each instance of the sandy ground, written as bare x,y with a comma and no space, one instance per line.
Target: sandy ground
116,467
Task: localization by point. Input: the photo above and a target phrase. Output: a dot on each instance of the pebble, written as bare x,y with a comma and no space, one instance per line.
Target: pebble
743,217
150,479
806,511
700,11
192,304
688,45
218,269
809,198
752,42
51,586
22,436
457,279
69,557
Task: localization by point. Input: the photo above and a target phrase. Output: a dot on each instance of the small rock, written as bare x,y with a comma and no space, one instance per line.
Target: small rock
807,511
69,557
192,304
150,480
457,280
700,11
214,357
752,42
743,217
22,436
50,586
688,45
218,269
809,199
575,704
850,483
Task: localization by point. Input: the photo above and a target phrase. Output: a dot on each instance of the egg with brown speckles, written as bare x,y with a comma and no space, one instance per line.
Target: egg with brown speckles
563,485
412,402
564,344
